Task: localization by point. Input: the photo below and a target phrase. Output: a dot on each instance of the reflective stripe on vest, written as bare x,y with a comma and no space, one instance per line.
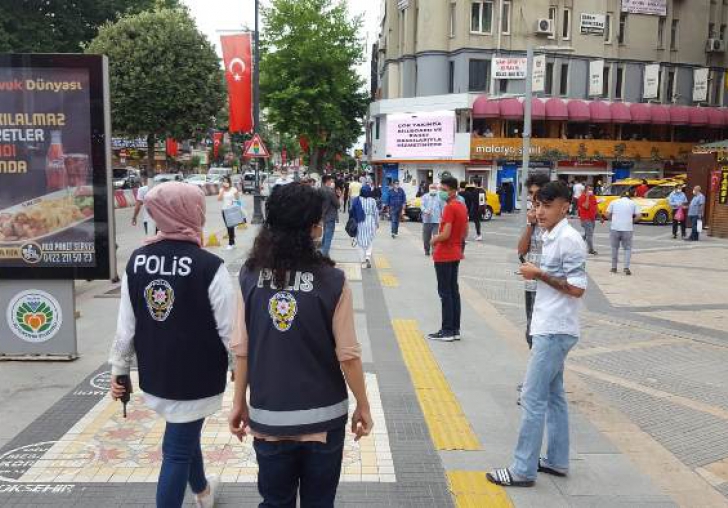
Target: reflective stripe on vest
299,417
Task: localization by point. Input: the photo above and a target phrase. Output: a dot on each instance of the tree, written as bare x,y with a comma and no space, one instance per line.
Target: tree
165,77
309,84
33,26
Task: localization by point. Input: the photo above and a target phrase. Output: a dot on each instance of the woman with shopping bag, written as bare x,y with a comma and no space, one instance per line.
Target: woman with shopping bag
232,212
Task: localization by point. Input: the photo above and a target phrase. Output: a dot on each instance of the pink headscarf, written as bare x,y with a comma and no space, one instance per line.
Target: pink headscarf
179,211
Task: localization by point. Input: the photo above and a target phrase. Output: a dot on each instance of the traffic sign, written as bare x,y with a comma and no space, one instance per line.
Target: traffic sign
256,148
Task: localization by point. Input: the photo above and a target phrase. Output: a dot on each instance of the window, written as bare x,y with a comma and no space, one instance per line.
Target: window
619,82
661,33
605,81
549,79
659,84
502,85
711,31
722,32
481,17
376,128
608,28
622,34
506,20
553,14
566,24
564,79
670,91
451,77
674,33
452,20
479,75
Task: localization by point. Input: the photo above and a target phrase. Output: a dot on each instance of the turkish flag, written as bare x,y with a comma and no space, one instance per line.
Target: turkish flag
172,147
239,76
216,142
303,142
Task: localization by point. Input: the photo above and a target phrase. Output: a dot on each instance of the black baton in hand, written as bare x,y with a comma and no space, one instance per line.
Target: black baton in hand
125,381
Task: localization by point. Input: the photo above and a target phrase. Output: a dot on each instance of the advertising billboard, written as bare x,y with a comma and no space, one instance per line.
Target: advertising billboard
652,7
423,135
54,172
509,68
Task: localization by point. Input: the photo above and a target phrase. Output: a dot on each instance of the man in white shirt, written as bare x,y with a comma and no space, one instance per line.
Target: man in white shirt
623,213
284,179
149,226
562,281
578,189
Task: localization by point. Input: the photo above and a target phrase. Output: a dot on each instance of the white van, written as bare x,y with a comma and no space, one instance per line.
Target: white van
221,171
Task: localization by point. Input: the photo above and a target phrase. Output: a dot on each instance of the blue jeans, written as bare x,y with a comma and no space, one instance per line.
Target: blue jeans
395,214
544,404
181,464
286,465
694,235
327,238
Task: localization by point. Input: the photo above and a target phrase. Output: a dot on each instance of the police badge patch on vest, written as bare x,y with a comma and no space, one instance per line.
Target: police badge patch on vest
159,297
282,308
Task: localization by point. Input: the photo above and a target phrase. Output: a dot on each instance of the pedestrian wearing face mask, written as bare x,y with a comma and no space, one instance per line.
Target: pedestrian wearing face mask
588,210
331,212
396,201
229,196
432,207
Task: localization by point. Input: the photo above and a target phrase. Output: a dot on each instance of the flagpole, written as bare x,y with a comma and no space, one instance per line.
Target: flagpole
257,198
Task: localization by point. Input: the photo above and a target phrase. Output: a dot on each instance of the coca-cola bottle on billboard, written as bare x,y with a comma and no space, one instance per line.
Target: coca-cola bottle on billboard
56,174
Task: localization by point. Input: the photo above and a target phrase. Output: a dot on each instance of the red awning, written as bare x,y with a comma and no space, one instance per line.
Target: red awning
715,117
620,113
725,115
578,111
640,113
698,116
538,109
511,109
556,109
600,112
660,114
484,108
680,115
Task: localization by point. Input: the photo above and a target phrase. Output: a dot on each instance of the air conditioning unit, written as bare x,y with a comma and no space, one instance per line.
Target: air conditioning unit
715,46
544,26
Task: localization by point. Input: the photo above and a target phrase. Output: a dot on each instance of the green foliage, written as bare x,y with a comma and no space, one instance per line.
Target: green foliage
61,26
309,84
165,77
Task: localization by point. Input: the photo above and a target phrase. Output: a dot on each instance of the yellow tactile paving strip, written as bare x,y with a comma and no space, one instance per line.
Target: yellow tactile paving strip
381,262
471,489
449,428
388,280
104,447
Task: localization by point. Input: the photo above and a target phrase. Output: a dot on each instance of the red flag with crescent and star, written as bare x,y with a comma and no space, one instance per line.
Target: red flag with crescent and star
216,142
238,72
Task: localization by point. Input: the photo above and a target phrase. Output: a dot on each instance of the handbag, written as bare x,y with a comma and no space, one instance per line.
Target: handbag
680,214
233,216
352,227
699,228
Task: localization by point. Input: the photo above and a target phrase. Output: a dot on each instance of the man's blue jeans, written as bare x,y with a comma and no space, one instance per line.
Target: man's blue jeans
286,466
181,464
694,235
328,237
394,216
544,405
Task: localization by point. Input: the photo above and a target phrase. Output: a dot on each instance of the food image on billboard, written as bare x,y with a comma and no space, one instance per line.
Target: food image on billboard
47,205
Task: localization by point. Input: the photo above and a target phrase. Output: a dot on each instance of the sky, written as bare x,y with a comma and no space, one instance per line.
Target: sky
214,18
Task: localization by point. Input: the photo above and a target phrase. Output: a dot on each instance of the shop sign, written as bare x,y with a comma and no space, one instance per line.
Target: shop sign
592,24
652,7
138,143
54,199
509,68
700,84
512,148
651,81
538,74
723,191
596,75
582,164
423,135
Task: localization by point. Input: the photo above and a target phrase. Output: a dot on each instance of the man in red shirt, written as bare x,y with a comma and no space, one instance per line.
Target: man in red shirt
448,251
641,190
588,213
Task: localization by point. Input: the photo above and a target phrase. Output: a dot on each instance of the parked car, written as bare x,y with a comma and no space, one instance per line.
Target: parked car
168,177
125,178
615,191
654,207
492,206
198,180
249,181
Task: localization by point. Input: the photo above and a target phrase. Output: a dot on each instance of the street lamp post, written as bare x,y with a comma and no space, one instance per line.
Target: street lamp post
257,198
527,128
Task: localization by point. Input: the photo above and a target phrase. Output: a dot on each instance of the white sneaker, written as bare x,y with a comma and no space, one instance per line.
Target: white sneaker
229,247
208,500
479,238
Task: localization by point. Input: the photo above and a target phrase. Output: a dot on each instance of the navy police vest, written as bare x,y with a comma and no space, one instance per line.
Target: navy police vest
179,351
296,383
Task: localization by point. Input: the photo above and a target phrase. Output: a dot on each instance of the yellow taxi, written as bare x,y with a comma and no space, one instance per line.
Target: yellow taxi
654,207
615,191
491,207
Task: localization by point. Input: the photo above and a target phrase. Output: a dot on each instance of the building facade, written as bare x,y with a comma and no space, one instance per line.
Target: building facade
661,59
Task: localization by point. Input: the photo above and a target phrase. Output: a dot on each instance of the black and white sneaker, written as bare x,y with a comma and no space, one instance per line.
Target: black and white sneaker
442,336
456,335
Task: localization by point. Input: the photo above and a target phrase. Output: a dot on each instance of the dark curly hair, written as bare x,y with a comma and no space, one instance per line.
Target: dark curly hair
284,243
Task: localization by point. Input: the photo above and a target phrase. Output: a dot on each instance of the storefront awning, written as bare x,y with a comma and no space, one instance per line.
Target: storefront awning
620,113
660,114
600,112
640,113
680,115
511,109
698,116
578,111
486,108
538,109
556,109
715,117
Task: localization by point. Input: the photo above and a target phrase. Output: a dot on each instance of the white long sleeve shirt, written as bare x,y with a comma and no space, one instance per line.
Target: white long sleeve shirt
222,299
